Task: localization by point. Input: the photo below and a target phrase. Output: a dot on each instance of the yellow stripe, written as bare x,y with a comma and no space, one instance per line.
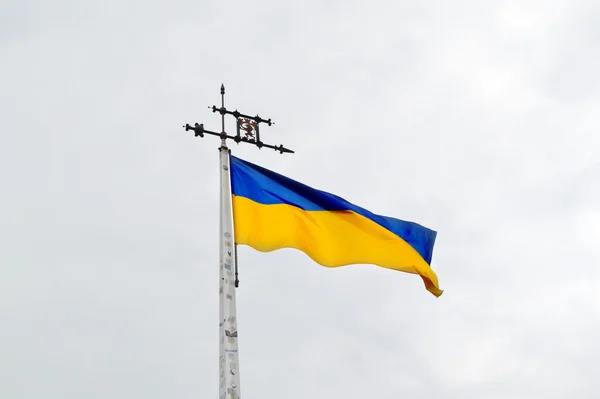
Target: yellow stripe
330,238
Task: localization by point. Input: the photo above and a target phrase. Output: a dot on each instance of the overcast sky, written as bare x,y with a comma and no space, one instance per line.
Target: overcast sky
478,119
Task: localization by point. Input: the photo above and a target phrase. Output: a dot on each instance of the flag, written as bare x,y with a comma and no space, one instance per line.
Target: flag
271,211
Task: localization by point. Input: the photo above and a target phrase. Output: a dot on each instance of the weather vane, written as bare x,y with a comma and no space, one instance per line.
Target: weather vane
246,123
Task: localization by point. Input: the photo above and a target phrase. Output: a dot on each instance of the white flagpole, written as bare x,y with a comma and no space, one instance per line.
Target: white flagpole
229,377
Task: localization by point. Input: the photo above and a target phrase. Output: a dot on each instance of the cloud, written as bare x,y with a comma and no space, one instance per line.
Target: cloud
476,120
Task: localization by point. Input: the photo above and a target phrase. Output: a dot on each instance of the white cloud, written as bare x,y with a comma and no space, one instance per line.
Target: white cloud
477,120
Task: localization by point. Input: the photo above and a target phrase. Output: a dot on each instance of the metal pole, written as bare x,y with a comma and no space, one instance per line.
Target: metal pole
229,378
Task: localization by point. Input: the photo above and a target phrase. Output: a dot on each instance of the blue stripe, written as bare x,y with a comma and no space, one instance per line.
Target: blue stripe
267,187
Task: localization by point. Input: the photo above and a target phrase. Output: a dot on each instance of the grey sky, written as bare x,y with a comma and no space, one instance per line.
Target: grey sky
477,119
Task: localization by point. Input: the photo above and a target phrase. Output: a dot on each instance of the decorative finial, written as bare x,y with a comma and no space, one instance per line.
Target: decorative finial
245,124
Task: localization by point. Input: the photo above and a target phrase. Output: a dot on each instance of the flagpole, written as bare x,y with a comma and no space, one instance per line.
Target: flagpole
229,384
229,378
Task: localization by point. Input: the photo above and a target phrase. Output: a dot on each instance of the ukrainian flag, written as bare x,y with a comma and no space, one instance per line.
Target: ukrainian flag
271,211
